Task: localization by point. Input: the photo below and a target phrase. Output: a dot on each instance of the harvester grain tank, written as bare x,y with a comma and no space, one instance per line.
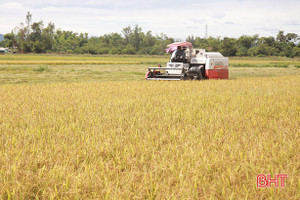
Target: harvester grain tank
187,63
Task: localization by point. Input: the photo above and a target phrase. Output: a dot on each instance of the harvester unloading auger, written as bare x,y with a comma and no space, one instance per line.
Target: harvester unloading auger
187,63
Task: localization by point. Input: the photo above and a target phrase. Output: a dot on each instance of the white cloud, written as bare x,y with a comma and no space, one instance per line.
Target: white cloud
218,15
197,21
178,19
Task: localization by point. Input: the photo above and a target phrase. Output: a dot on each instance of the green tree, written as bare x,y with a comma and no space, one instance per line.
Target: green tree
137,39
129,49
127,32
38,47
48,37
228,47
35,38
11,40
245,41
281,37
296,51
214,43
292,37
191,39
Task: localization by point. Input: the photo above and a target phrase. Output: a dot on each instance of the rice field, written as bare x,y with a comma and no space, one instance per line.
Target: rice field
47,68
70,59
54,59
75,132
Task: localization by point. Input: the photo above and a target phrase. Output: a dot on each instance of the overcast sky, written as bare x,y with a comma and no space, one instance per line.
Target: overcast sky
178,19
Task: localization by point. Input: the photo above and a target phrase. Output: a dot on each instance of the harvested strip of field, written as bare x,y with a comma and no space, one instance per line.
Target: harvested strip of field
150,139
64,62
263,61
133,59
12,74
238,63
260,65
80,59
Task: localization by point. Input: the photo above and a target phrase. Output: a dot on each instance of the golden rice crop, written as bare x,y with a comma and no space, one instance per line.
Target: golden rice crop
150,140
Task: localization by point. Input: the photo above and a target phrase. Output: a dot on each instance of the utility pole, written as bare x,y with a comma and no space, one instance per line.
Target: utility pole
206,34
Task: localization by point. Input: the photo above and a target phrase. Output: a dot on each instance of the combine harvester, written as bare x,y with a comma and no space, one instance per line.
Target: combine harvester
187,63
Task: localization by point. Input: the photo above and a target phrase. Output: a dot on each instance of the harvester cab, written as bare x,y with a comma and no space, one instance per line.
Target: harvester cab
187,63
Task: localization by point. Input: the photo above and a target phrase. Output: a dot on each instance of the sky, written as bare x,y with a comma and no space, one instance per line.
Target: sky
176,19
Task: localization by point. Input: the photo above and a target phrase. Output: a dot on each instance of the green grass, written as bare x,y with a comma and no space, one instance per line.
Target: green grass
278,65
42,69
11,74
85,68
54,59
70,73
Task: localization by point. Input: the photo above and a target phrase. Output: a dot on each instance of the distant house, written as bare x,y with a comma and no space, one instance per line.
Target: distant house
4,50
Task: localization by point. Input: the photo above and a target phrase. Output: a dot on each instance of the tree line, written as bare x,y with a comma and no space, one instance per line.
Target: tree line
34,37
283,45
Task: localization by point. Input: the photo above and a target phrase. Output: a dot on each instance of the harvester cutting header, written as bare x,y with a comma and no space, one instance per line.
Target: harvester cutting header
187,63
